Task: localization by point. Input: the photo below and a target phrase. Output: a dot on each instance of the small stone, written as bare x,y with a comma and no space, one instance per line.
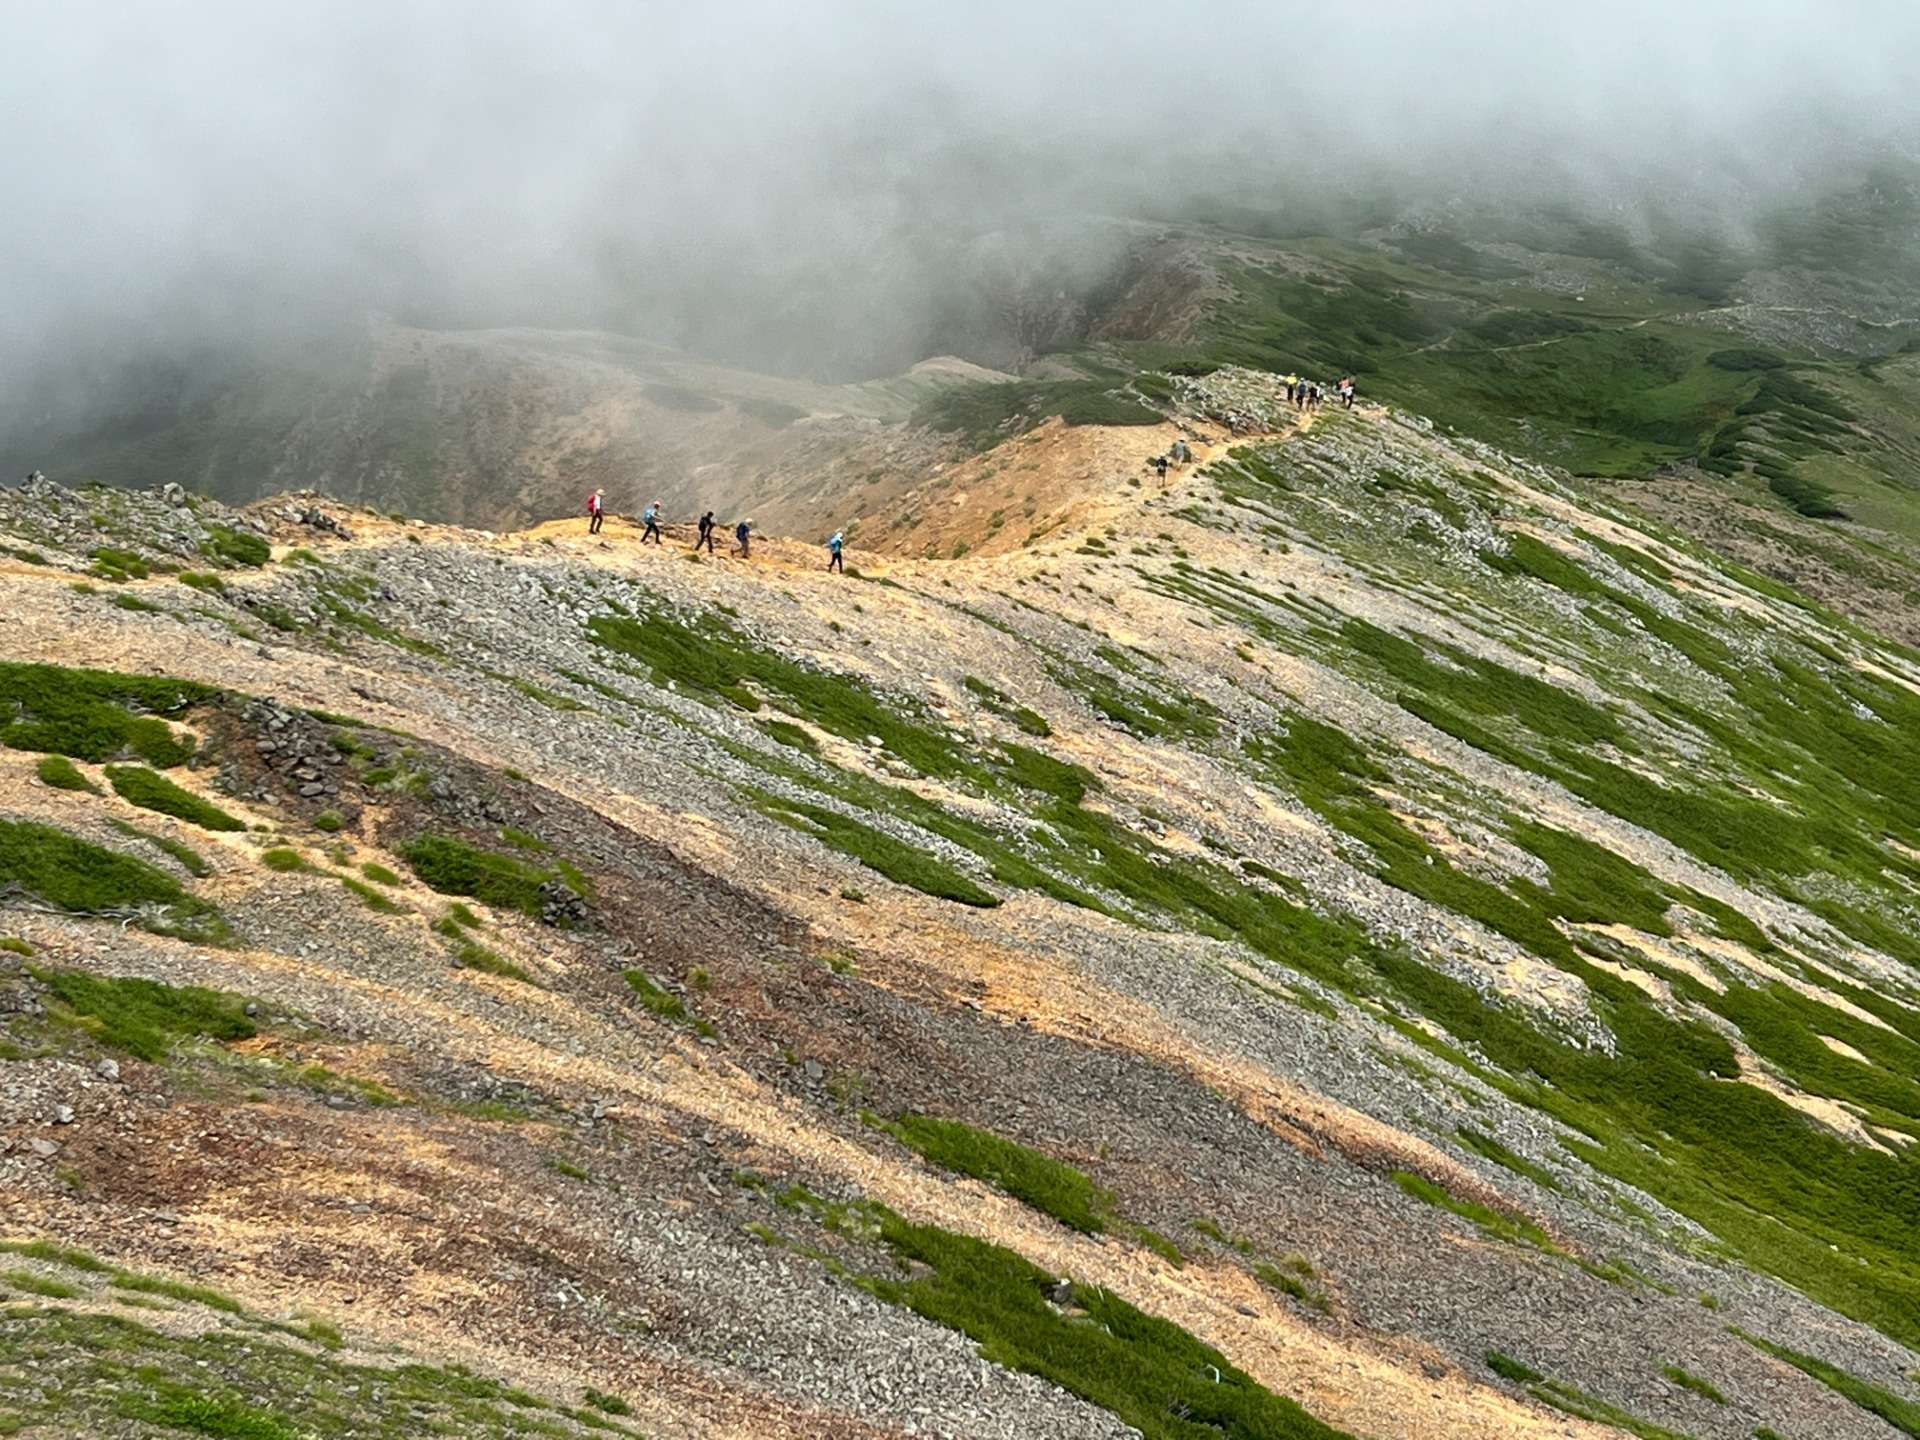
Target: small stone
63,1115
108,1069
45,1149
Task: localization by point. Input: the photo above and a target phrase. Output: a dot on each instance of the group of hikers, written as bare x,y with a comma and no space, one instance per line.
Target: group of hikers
1179,453
1306,394
709,527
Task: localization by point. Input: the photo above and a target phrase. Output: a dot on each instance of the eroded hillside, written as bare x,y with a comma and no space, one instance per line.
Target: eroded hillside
1360,937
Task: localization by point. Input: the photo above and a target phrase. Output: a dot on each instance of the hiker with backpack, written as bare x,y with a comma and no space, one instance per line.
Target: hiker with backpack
707,527
742,537
596,512
833,554
652,517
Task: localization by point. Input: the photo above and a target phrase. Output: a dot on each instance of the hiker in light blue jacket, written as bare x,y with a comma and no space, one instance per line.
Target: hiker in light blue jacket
833,553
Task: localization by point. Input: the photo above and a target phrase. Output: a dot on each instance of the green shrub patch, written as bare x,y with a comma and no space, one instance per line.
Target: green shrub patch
189,859
144,1018
898,861
711,661
472,955
232,1381
454,867
236,547
1903,1415
94,715
1150,1373
151,790
62,774
1508,1368
1699,1385
1048,1185
662,1002
84,878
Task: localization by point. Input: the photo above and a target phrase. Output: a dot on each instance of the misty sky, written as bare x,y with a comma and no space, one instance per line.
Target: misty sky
206,170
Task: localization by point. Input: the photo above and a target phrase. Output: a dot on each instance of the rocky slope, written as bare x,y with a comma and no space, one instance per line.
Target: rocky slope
1362,937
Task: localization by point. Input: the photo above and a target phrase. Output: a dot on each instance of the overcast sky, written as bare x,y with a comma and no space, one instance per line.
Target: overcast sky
225,165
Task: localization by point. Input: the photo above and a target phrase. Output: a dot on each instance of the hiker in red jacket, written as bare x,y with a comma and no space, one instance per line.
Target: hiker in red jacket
596,512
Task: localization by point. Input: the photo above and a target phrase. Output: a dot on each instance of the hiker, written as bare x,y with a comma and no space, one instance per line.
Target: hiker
707,528
1313,397
742,534
1346,393
652,516
1160,466
596,512
833,554
1293,384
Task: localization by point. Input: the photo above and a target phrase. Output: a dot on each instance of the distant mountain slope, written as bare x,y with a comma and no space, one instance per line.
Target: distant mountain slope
1778,360
494,428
